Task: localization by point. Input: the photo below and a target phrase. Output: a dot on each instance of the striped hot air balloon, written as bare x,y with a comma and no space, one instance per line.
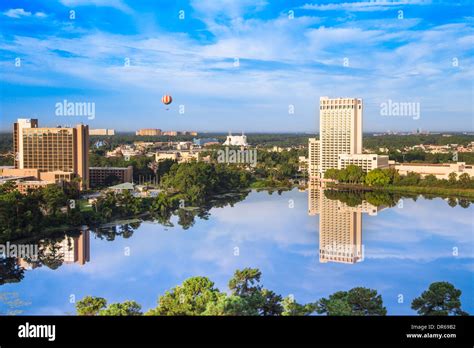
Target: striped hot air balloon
166,99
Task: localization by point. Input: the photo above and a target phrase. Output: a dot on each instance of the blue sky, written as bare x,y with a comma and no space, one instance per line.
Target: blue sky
289,53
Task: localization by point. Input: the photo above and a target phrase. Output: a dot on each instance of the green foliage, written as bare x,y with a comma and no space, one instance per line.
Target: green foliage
198,181
377,177
441,298
292,308
190,298
90,305
357,301
230,306
127,308
245,282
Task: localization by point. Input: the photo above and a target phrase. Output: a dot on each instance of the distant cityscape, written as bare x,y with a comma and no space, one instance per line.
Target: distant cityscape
45,155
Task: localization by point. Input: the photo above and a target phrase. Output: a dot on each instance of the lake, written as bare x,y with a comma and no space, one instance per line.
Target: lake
305,244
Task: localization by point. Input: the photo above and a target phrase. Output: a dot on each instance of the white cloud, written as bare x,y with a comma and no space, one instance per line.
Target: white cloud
364,6
19,12
117,4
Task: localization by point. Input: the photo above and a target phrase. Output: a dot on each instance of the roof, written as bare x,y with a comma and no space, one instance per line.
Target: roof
124,186
110,168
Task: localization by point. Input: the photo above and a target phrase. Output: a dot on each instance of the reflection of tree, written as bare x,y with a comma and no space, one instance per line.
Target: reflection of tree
452,202
109,233
126,231
10,271
186,218
51,254
355,198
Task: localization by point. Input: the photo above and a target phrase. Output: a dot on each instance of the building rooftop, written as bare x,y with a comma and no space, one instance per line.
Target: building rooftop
111,168
124,186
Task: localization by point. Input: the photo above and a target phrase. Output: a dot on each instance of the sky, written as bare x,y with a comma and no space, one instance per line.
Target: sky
236,65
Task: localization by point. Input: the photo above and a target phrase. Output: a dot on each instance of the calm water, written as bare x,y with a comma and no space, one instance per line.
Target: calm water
398,251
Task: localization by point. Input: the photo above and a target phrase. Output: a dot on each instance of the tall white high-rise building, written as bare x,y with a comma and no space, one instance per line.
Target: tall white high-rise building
340,129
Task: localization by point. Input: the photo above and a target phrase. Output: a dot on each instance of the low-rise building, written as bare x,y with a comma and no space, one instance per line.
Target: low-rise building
367,161
102,131
148,132
170,133
440,170
236,140
161,156
24,186
100,176
121,188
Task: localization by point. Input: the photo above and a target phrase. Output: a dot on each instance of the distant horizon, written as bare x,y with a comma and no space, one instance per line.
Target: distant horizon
411,131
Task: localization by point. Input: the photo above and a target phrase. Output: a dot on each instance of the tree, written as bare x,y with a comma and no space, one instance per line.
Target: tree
190,298
230,306
393,175
464,180
54,198
331,174
245,282
357,301
411,179
127,308
430,180
452,178
441,298
270,303
377,177
354,174
90,305
292,308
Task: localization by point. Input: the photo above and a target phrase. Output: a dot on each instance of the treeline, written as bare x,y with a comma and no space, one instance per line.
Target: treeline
198,296
426,157
379,198
385,177
354,198
400,141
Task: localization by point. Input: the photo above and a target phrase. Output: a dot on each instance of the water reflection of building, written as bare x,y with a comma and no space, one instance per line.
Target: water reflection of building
340,226
76,249
71,249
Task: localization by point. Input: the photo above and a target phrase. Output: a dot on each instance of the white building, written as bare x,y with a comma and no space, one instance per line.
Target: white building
367,161
102,131
340,126
440,170
340,144
236,140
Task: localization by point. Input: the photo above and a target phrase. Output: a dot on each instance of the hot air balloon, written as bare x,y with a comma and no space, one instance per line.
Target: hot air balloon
166,99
